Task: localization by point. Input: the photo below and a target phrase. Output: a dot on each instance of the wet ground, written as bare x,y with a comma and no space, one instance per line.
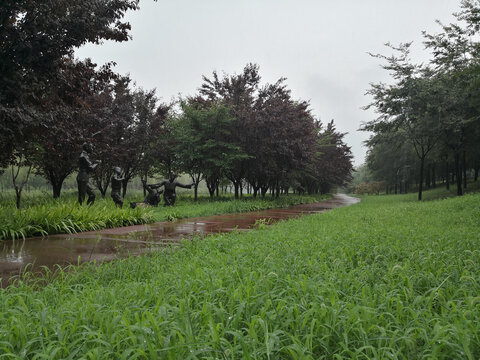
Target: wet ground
108,244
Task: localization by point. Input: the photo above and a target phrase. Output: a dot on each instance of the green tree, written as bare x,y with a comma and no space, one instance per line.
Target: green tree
411,108
204,149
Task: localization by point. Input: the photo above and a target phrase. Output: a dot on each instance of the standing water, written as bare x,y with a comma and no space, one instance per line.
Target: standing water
108,244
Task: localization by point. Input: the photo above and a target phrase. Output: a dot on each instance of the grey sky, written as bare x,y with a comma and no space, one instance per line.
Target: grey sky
319,46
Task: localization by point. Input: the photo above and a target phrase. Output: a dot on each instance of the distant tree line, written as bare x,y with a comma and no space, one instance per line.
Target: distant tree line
428,125
234,129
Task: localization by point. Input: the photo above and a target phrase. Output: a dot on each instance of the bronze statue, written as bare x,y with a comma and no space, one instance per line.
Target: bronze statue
169,185
153,196
116,181
85,167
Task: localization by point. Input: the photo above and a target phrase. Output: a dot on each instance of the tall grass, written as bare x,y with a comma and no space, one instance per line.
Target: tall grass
43,215
387,279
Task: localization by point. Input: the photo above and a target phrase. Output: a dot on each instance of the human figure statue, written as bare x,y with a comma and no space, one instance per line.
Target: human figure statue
153,196
85,167
116,181
169,186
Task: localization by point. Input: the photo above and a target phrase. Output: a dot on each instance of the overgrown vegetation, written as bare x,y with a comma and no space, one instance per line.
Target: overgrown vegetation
52,216
387,278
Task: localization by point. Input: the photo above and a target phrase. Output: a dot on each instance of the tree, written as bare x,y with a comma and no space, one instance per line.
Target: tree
21,161
71,113
35,38
412,107
331,163
456,60
204,149
280,138
238,93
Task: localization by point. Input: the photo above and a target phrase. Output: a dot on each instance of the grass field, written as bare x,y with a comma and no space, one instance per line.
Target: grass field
389,278
43,215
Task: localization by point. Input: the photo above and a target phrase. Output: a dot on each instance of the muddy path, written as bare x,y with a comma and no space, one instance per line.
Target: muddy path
109,244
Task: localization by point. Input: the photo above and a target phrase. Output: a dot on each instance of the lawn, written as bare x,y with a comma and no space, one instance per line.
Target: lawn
389,278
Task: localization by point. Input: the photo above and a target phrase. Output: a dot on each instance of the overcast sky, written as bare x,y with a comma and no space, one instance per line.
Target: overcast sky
320,46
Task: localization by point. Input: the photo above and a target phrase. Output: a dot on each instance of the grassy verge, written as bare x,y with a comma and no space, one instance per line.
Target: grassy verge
387,278
46,216
205,206
43,215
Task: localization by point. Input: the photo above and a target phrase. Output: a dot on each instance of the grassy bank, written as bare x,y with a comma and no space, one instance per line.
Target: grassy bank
43,215
388,278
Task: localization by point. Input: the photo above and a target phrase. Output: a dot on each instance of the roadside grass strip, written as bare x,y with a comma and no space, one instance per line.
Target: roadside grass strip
386,279
45,216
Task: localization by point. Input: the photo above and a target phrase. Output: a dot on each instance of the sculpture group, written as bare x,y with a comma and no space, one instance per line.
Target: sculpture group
86,166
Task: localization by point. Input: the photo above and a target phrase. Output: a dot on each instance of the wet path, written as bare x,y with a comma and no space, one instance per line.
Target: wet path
114,243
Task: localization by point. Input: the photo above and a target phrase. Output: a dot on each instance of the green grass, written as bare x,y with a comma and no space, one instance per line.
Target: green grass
42,215
187,207
389,278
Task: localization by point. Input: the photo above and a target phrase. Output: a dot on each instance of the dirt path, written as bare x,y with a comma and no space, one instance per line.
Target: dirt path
114,243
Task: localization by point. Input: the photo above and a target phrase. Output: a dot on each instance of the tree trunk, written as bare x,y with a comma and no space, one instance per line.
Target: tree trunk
211,188
18,193
447,175
195,192
57,189
19,188
264,190
428,179
211,192
434,180
476,173
235,184
458,174
420,183
464,169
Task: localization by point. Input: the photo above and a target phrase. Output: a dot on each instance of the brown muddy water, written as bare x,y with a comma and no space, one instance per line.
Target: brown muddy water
108,244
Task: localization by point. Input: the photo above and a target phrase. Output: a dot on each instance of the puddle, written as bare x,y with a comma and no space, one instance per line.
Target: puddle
109,244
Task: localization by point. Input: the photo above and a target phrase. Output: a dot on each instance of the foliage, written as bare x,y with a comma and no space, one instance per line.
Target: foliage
36,38
203,148
74,111
432,108
387,278
279,135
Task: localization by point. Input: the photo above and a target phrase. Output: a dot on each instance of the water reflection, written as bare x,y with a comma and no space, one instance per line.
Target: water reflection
120,242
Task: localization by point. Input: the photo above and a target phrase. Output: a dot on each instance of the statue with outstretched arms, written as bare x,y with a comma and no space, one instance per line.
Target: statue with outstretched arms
169,186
